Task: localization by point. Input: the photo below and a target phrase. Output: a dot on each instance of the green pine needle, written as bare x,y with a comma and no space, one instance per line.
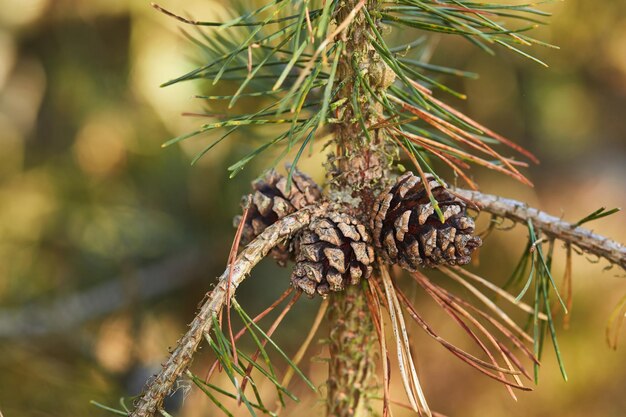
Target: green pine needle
250,322
540,274
598,214
110,409
263,50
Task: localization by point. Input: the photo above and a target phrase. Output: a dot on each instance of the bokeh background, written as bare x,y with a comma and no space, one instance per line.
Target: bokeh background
108,242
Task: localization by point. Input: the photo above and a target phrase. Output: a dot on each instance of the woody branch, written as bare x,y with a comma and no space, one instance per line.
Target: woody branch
551,226
180,358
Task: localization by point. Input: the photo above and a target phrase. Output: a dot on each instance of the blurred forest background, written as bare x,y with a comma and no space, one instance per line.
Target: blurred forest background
108,242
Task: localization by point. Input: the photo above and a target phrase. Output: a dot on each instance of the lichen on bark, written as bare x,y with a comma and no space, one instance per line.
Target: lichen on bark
361,159
357,171
352,340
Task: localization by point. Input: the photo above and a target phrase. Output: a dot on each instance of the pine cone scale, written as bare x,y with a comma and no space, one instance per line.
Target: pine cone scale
272,200
409,232
312,252
336,259
342,251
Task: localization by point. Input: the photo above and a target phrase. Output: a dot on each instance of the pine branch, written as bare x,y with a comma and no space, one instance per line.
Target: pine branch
330,67
161,385
552,226
351,341
289,53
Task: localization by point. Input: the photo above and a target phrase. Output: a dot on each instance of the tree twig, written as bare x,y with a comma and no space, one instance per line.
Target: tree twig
552,226
161,385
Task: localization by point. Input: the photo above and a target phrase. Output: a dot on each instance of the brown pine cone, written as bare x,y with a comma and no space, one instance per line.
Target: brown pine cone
332,252
409,232
271,201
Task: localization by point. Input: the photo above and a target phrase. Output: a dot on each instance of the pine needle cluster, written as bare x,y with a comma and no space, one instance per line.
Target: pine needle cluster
326,70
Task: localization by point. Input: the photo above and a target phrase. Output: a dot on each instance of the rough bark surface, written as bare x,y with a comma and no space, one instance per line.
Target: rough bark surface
352,349
357,172
361,161
180,358
551,226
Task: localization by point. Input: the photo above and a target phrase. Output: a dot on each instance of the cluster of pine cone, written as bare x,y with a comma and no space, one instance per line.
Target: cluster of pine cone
337,249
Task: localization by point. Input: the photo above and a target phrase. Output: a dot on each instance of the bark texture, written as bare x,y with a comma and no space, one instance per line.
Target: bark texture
361,160
180,358
352,350
551,226
357,172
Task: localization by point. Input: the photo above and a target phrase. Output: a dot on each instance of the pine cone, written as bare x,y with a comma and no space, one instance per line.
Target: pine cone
411,234
332,252
271,201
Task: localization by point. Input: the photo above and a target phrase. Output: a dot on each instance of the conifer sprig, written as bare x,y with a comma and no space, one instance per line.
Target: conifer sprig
314,64
285,53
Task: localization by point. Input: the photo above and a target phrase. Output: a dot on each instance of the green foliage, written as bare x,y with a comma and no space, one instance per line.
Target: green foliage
540,265
598,214
472,20
112,410
286,54
262,51
238,368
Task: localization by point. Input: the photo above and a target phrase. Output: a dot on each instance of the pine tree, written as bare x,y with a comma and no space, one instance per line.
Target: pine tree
324,70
